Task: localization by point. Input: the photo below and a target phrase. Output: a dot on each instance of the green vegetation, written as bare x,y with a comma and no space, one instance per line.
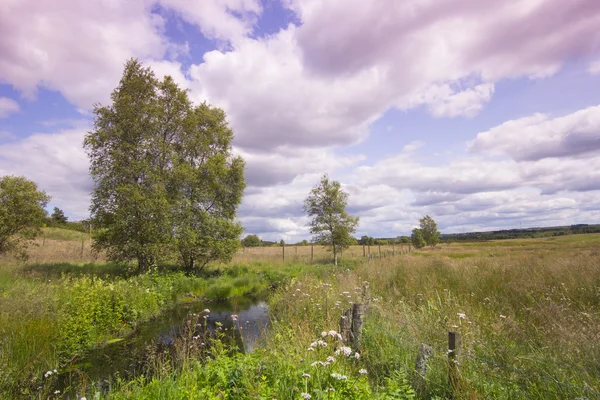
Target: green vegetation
417,239
58,216
251,241
21,213
526,320
166,184
526,315
330,223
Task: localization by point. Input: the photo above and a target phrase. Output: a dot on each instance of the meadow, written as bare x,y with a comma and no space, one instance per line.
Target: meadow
527,311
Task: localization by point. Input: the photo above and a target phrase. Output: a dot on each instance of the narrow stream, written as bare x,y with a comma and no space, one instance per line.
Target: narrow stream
126,357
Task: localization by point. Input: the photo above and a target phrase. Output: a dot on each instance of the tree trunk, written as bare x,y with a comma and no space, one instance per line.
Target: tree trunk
334,255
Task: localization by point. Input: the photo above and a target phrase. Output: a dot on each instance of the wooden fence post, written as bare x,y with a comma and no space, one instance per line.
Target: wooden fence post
283,251
346,326
393,249
312,252
379,250
358,316
425,352
364,251
453,361
296,250
409,248
81,249
44,241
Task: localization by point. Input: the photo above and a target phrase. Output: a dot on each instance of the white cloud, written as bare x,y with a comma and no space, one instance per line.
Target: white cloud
57,163
539,136
8,106
594,68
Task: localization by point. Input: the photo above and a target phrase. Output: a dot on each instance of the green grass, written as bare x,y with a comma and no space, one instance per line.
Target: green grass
531,326
64,235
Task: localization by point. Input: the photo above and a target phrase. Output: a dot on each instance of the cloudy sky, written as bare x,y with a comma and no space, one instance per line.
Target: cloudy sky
482,114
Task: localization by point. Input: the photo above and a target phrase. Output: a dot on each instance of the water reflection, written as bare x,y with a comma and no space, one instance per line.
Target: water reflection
244,319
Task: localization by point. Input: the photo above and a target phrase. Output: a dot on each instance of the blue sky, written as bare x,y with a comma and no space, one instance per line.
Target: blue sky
481,120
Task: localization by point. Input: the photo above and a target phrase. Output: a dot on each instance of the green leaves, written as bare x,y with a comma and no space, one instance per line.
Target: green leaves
429,230
21,213
165,181
330,223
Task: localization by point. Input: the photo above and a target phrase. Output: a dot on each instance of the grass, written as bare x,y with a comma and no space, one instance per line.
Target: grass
528,312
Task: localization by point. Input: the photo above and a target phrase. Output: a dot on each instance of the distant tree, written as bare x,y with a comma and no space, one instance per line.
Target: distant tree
330,223
304,243
429,230
166,183
251,241
365,240
403,239
58,216
281,243
417,238
22,213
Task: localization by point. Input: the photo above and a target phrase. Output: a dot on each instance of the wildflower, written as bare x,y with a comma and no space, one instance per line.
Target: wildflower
502,316
313,344
362,371
330,359
297,290
461,315
345,292
206,310
56,391
55,372
195,337
323,334
205,317
347,351
332,333
306,375
234,317
306,396
330,390
357,356
311,349
455,326
339,377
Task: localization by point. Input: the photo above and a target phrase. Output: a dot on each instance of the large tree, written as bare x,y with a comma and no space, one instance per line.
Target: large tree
416,238
165,180
330,223
429,230
22,213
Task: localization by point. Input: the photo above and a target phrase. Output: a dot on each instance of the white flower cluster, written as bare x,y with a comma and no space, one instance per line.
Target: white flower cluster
47,374
347,351
339,377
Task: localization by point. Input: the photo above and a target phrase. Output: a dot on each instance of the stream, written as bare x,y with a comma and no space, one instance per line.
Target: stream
125,357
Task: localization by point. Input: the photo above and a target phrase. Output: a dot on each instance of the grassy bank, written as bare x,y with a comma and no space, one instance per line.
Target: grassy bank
528,312
50,314
529,316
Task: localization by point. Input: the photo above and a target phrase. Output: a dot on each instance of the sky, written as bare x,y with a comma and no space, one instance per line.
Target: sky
484,115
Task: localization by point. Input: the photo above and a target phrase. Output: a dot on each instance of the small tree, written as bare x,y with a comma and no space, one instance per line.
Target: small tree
429,230
417,239
330,223
281,243
21,213
251,241
58,216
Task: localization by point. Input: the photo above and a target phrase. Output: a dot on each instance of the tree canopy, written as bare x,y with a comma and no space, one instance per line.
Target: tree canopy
330,223
429,231
417,238
165,181
22,213
58,216
251,241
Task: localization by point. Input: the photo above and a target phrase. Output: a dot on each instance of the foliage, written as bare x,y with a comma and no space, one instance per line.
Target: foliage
21,213
417,239
165,180
251,241
330,223
429,230
281,243
58,216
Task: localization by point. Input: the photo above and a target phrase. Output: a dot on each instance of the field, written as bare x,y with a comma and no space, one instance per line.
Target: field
527,312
